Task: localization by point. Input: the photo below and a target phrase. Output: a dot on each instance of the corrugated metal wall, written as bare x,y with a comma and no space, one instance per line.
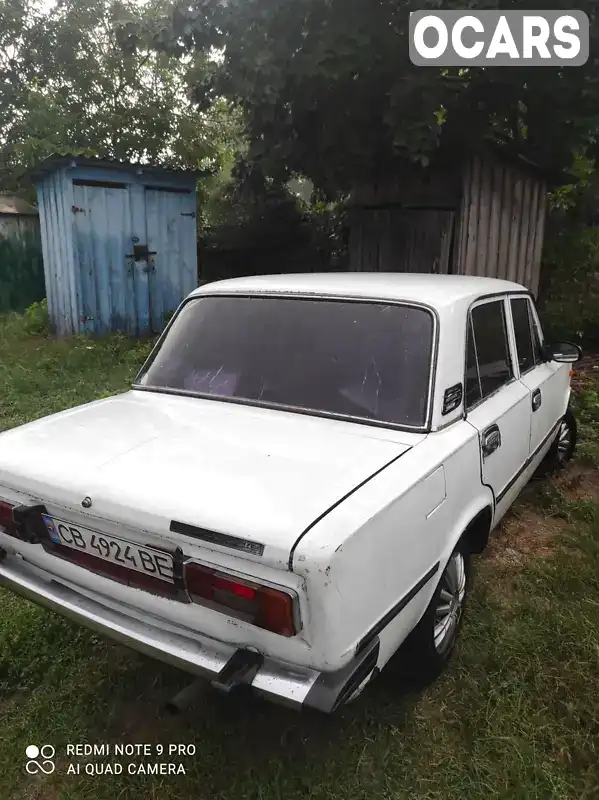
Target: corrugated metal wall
172,235
502,222
54,200
119,246
102,229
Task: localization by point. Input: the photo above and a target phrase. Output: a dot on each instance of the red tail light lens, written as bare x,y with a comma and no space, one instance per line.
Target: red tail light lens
260,605
7,522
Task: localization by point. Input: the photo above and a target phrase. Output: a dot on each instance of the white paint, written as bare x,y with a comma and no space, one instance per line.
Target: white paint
561,28
456,37
288,481
438,291
146,459
536,34
503,41
421,27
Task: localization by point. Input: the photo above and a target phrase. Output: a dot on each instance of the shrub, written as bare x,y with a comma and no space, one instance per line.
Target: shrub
570,293
37,322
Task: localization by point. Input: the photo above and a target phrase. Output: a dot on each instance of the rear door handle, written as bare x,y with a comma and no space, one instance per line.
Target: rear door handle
491,440
537,400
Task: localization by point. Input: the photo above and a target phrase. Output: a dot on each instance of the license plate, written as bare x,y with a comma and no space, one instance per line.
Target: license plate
146,560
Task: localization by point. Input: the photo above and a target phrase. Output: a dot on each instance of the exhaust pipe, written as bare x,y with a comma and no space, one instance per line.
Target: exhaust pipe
187,697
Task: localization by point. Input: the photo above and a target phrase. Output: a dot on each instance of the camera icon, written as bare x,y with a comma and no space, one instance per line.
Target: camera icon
40,759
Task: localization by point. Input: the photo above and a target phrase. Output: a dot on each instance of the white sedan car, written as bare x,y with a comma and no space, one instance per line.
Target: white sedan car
293,488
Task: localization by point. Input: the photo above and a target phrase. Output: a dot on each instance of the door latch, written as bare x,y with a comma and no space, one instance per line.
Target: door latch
491,441
537,400
141,253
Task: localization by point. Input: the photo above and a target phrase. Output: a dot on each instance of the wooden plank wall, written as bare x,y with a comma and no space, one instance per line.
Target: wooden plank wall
401,240
501,222
410,187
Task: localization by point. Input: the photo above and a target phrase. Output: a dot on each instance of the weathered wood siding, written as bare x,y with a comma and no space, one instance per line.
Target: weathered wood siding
401,240
405,223
486,219
413,187
501,222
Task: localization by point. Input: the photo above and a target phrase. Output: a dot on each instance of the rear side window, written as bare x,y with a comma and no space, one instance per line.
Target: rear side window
523,331
489,355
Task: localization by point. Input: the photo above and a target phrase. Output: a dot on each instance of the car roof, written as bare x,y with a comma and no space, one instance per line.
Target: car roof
434,290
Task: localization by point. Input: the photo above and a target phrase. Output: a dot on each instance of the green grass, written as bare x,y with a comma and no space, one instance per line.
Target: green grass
587,411
515,716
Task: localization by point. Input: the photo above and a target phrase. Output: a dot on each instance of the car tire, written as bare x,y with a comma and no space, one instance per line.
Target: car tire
428,649
564,447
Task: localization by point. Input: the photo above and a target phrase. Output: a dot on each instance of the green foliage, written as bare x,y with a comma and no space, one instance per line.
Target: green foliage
587,413
256,224
67,85
36,320
251,209
328,90
570,293
21,271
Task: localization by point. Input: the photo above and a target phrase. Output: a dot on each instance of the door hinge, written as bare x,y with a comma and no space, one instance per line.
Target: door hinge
188,214
77,210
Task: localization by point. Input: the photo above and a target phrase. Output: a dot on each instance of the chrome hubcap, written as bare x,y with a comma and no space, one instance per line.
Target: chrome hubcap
451,601
564,441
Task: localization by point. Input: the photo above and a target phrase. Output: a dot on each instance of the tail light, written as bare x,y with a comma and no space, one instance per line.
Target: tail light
7,522
271,609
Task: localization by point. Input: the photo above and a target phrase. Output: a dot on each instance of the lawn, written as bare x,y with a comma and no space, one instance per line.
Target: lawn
515,716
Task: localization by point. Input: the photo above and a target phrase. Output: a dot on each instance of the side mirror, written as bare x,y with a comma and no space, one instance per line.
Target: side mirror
562,352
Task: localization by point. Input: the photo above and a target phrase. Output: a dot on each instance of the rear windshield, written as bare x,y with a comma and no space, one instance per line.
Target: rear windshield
358,359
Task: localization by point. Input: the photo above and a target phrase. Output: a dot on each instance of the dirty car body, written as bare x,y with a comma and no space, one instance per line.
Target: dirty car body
278,499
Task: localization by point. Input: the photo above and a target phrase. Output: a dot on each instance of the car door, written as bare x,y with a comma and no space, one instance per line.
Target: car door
548,382
498,405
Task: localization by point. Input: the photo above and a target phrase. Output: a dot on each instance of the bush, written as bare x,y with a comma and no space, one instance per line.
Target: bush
37,322
569,297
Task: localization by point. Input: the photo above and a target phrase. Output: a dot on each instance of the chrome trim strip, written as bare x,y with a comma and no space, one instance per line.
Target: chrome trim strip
550,436
397,609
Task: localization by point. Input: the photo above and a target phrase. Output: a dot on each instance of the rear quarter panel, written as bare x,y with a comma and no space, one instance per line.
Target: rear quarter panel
368,553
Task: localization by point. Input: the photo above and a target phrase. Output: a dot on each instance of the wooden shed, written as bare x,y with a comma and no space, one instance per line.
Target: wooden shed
483,215
17,217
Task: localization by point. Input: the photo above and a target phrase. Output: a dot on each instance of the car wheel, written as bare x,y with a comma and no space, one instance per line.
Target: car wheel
430,645
564,446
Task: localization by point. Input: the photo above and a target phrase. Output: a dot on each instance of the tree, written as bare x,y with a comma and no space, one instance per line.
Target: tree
328,90
67,85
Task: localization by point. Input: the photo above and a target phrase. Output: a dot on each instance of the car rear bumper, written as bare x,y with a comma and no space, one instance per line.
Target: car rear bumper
225,665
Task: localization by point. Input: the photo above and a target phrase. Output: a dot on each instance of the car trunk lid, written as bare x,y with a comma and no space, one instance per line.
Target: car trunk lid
233,478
